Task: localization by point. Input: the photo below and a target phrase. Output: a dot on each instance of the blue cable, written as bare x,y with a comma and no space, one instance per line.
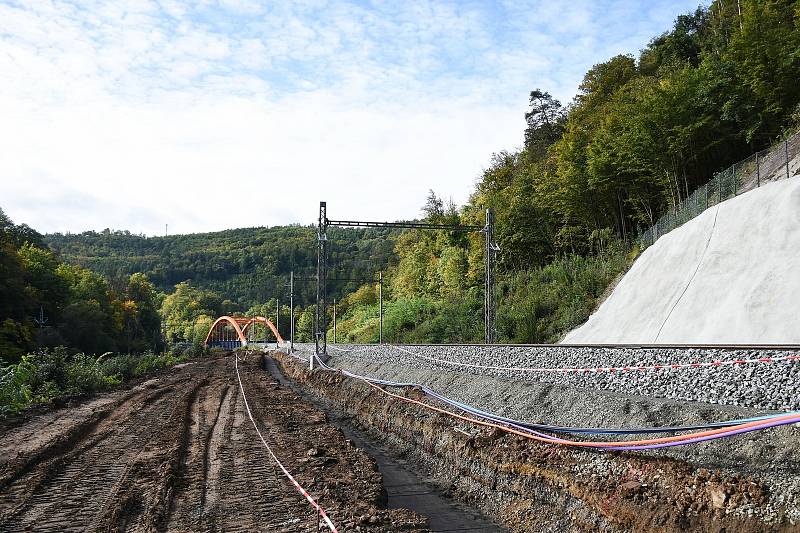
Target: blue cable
557,429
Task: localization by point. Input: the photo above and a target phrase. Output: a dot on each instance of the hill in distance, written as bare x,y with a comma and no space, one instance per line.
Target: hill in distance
247,266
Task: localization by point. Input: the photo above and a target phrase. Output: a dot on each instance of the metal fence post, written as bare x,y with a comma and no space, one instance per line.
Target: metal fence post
758,170
735,181
786,153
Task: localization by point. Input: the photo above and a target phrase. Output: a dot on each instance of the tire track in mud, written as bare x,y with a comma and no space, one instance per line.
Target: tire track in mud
211,461
63,433
146,489
248,476
41,466
178,453
72,489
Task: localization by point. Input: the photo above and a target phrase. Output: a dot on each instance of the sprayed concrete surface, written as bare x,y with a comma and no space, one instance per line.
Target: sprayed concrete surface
731,275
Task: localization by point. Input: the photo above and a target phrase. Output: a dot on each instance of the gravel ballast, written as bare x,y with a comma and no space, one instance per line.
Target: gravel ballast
606,399
770,386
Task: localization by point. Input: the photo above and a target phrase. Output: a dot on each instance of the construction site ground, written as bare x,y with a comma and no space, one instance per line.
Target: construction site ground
177,452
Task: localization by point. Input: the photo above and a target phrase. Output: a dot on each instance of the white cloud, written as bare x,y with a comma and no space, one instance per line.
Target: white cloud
208,116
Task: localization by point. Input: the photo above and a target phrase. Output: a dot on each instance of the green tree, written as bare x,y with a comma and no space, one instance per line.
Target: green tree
142,322
181,309
545,123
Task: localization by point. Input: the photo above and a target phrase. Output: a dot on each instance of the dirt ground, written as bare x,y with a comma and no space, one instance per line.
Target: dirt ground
178,453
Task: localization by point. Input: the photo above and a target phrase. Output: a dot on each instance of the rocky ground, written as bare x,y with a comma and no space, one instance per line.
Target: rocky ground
757,385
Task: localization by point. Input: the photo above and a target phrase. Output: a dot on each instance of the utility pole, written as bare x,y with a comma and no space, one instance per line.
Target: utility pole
322,272
166,227
277,319
41,321
380,307
334,321
491,250
291,311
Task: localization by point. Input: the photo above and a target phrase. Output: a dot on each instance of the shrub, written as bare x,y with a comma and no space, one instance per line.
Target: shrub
85,376
43,376
542,304
15,389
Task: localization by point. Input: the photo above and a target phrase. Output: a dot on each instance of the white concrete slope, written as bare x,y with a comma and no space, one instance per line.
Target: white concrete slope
731,275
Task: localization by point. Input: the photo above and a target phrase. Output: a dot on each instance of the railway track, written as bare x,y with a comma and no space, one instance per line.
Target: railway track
178,453
754,376
726,347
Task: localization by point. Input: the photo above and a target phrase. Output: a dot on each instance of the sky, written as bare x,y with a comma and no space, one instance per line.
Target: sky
207,115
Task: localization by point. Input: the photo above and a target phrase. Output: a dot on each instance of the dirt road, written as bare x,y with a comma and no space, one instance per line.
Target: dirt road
179,453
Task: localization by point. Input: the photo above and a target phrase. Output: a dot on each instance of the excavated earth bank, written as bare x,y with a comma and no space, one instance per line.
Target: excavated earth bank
529,486
178,453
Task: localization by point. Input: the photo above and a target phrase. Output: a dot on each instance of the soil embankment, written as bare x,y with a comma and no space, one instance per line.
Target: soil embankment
406,485
530,486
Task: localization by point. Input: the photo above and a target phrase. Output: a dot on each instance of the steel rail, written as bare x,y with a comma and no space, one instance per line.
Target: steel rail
790,347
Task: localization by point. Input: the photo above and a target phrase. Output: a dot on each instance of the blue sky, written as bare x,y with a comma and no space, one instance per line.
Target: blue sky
211,115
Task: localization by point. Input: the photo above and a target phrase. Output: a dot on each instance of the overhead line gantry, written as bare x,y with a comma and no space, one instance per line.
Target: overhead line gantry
490,257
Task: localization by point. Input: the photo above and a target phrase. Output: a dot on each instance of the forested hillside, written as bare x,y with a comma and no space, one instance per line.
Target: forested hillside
641,134
246,266
45,303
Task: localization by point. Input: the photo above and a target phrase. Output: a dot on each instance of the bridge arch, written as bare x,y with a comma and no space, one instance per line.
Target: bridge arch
262,320
219,332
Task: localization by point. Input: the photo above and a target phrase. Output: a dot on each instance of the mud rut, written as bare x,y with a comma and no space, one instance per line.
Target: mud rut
178,453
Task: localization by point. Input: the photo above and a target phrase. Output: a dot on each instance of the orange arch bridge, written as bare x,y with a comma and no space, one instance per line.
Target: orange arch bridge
230,332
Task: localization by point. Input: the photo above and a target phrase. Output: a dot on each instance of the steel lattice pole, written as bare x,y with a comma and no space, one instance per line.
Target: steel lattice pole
319,334
291,311
489,294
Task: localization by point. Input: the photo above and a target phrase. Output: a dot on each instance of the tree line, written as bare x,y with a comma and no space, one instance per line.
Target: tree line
45,302
642,132
247,265
639,136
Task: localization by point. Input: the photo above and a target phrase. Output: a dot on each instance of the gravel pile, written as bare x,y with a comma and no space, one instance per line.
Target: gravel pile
771,386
